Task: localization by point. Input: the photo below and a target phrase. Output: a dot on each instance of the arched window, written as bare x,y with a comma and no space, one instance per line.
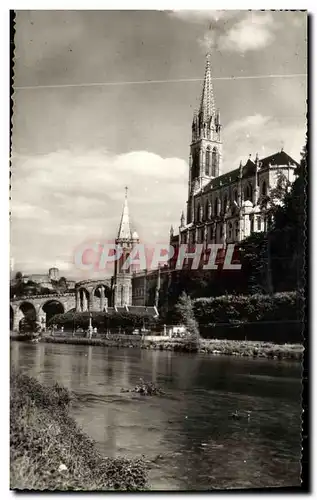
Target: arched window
230,230
264,190
207,162
225,204
198,213
236,229
248,192
214,162
195,165
207,210
216,207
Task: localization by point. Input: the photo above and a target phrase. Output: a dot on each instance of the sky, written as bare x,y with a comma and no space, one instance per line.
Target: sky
75,146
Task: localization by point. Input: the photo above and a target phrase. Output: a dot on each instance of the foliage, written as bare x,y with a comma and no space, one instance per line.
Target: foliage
261,315
275,261
103,320
146,389
185,310
248,308
232,348
29,324
43,437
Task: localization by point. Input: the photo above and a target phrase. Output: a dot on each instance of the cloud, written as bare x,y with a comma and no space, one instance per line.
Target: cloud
254,32
235,31
202,16
260,134
61,199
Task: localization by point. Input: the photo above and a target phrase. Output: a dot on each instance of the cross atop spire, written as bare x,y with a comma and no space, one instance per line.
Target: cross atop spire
124,232
207,103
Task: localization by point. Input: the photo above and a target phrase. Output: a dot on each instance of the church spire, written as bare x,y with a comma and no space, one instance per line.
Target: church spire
124,232
207,102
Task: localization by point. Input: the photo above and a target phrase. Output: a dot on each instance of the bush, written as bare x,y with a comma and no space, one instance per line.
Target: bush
43,437
104,320
276,317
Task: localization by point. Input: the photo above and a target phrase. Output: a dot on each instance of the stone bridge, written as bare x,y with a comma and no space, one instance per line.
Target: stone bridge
41,307
94,295
90,295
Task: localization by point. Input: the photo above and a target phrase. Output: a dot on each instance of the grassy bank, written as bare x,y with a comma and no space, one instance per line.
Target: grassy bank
206,346
49,451
232,348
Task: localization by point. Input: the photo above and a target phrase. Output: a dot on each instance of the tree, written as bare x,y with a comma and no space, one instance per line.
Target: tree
274,261
185,310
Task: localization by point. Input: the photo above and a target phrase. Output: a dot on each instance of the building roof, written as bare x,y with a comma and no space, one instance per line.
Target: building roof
278,159
149,311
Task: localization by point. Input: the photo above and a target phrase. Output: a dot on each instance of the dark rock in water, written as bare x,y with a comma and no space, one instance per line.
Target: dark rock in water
146,389
239,416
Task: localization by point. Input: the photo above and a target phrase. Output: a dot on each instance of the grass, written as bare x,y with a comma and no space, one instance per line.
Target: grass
44,439
231,348
208,346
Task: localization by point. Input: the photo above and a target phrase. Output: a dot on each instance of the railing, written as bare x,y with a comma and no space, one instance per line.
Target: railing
44,296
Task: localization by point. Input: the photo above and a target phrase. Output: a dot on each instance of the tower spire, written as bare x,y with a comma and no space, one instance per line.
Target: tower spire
124,232
207,102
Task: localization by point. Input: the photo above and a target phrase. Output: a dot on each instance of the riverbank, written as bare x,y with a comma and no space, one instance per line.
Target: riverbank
206,346
48,451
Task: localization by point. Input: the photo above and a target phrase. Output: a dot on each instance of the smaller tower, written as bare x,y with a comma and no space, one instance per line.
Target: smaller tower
126,239
53,274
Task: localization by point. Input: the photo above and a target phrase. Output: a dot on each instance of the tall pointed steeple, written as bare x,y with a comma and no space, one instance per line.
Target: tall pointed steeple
205,157
207,102
124,232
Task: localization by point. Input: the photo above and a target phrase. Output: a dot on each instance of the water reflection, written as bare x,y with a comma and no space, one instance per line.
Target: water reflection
201,447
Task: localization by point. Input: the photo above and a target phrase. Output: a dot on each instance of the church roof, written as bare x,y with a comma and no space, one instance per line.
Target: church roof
280,158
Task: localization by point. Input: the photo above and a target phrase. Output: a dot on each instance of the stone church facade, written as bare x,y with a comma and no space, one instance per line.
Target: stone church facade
225,207
222,208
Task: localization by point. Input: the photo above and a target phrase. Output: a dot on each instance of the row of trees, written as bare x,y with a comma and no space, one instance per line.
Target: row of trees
19,287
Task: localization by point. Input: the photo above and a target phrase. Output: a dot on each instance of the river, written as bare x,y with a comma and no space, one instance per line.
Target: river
189,432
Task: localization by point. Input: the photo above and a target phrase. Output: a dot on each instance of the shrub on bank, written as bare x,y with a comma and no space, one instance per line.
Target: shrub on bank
277,317
49,451
104,320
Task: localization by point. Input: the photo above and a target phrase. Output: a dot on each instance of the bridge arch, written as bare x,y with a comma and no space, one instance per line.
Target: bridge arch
101,296
51,308
83,296
26,317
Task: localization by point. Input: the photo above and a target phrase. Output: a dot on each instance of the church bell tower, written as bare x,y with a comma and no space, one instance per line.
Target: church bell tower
206,146
126,239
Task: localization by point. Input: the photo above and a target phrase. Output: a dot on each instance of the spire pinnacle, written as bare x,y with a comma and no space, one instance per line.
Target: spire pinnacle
207,102
124,232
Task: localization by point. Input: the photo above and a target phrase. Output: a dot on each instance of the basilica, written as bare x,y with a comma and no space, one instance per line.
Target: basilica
225,207
222,208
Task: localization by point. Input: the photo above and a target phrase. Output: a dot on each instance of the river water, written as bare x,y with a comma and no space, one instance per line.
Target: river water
189,435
